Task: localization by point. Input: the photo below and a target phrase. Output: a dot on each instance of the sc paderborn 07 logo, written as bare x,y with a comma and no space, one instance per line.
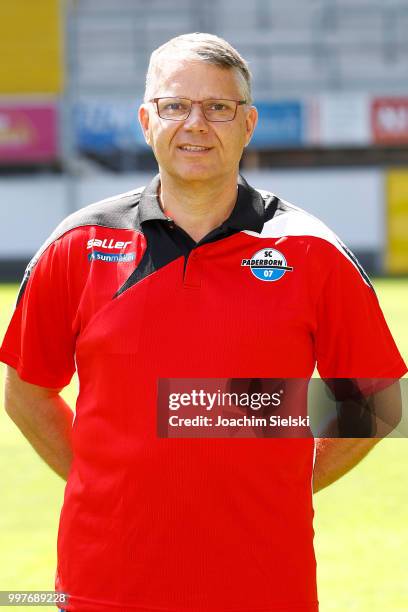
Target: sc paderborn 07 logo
268,265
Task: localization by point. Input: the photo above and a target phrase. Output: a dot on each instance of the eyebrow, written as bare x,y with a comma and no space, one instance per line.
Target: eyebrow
218,97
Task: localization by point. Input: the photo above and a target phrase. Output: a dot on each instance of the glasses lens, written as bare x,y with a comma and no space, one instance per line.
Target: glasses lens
174,108
219,110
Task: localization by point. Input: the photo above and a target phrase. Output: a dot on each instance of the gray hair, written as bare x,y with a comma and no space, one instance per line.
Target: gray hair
204,47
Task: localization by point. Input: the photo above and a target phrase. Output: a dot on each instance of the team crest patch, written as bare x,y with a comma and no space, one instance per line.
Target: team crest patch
268,265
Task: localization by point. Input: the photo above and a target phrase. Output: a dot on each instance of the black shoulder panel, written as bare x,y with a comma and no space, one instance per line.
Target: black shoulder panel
118,212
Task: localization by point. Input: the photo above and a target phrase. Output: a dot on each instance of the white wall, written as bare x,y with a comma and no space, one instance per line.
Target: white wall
350,201
29,209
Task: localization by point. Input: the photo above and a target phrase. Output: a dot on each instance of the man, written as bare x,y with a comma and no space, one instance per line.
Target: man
160,283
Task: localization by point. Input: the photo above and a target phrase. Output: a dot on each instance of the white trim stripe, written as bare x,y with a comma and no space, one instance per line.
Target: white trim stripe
290,220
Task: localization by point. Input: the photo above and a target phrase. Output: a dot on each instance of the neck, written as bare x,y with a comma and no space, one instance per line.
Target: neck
198,207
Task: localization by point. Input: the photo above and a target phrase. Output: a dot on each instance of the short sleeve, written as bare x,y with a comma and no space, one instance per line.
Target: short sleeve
40,342
352,337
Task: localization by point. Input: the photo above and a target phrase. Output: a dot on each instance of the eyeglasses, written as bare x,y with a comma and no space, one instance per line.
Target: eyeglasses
178,109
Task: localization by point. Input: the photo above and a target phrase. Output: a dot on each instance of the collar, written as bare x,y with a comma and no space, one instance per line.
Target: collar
247,214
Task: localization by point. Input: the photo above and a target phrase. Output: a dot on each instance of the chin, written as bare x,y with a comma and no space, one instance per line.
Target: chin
190,173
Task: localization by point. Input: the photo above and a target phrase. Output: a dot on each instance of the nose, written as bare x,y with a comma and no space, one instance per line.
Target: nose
196,120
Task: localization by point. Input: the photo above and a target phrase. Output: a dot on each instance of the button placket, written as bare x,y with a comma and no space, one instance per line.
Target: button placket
192,271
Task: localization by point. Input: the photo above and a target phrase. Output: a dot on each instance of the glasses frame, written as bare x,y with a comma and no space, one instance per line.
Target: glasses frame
200,102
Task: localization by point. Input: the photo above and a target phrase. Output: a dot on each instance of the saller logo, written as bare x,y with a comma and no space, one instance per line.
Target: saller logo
107,243
267,265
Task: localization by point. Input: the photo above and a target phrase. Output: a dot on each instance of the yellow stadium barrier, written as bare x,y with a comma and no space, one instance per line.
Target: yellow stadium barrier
397,222
31,47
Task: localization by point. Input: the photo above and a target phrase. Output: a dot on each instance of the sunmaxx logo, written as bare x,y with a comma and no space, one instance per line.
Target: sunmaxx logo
109,243
267,265
111,257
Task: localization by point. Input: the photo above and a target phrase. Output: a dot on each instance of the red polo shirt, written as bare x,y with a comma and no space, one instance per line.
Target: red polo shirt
119,292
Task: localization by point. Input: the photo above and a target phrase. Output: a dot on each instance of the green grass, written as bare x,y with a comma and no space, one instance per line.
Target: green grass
361,521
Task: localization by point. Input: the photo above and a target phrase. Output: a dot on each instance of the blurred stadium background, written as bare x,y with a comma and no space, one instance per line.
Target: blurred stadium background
331,87
330,83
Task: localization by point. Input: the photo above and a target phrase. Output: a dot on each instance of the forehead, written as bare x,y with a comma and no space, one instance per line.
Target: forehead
177,76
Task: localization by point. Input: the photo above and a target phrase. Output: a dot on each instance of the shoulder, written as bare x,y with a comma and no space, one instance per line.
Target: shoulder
116,212
119,212
284,219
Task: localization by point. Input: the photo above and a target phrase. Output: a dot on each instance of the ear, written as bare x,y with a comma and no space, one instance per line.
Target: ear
250,123
144,121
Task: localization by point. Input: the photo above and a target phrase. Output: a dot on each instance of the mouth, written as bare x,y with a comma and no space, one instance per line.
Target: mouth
194,148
